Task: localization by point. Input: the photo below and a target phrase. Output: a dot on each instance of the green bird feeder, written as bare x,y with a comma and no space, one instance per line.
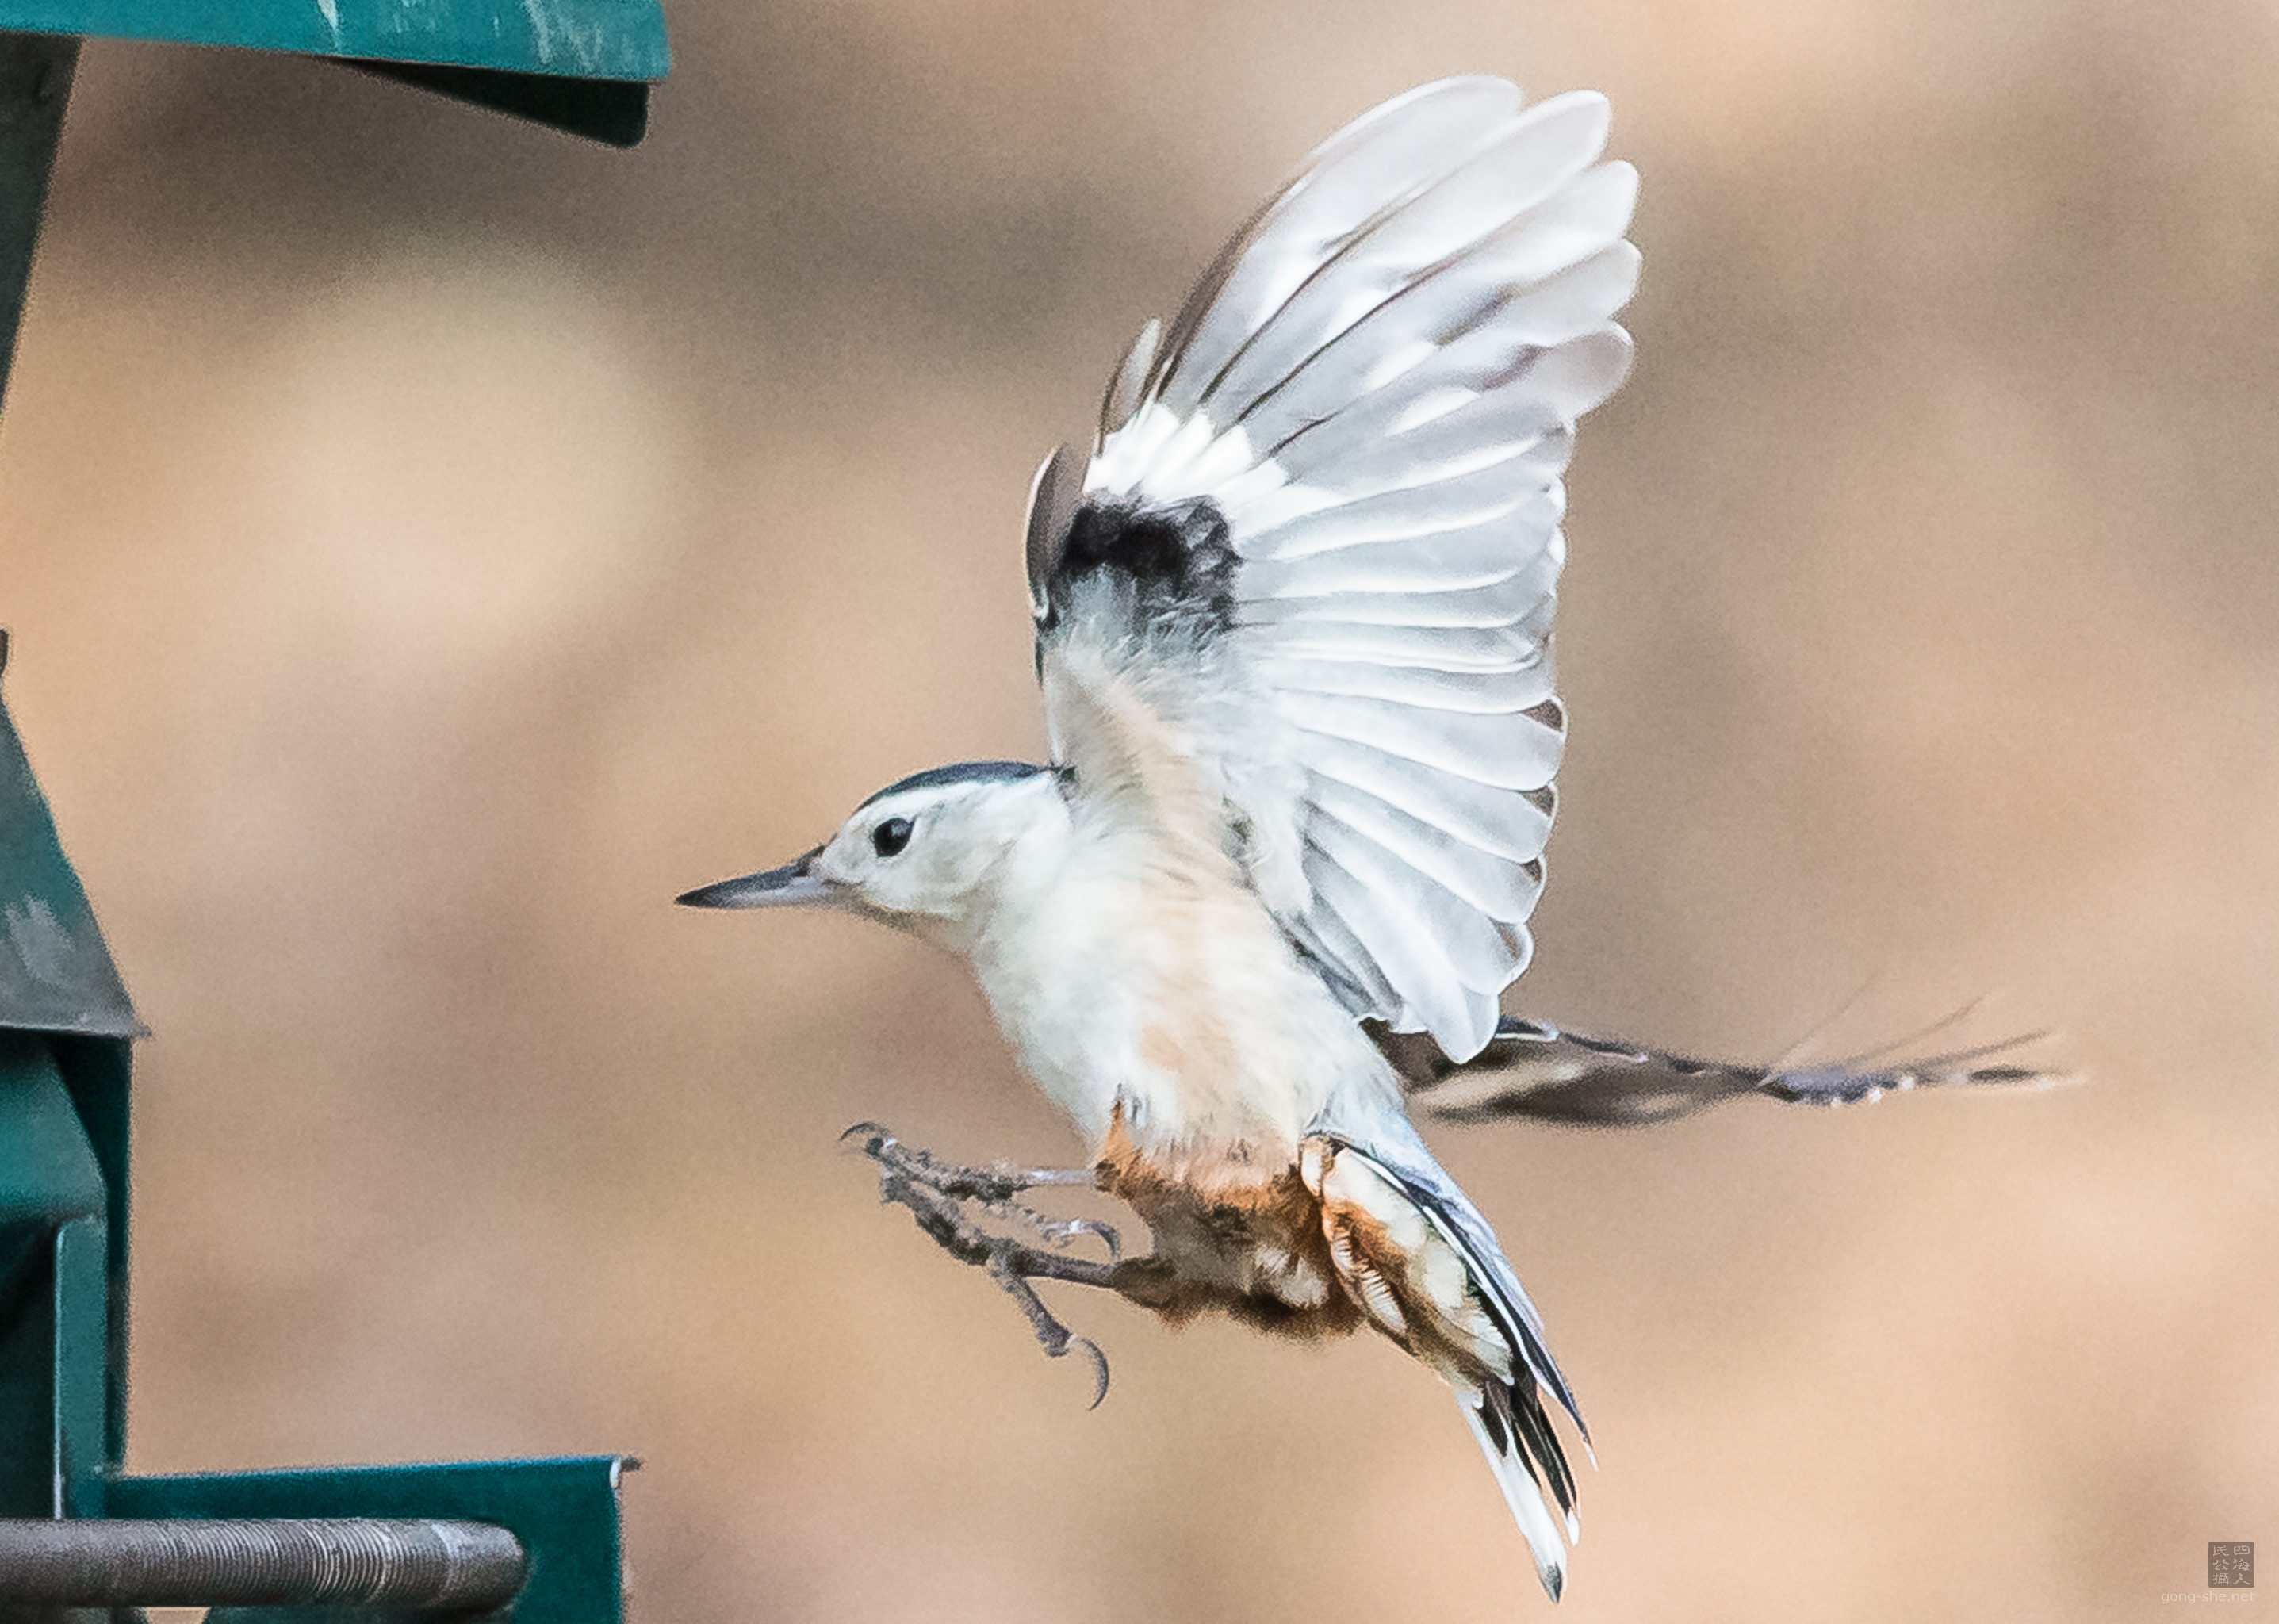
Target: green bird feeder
536,1541
532,1541
581,65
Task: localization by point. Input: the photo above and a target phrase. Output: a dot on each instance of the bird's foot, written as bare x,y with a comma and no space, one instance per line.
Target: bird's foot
941,1196
992,1189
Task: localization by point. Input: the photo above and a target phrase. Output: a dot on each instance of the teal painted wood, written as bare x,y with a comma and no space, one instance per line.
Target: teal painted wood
82,1451
563,1511
614,112
55,1438
35,80
584,39
48,1174
96,1073
65,1064
55,973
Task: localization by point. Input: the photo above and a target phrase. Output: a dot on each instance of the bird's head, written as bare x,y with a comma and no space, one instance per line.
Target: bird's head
928,855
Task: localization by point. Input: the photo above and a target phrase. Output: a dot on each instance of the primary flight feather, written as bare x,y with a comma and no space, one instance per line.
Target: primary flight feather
1293,630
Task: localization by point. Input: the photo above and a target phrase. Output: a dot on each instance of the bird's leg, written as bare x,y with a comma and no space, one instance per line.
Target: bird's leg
937,1194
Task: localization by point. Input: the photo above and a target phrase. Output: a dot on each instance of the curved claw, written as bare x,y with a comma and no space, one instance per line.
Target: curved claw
1105,1233
1099,1368
1061,1232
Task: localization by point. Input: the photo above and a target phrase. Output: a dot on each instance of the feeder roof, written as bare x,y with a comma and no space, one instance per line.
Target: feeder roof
56,974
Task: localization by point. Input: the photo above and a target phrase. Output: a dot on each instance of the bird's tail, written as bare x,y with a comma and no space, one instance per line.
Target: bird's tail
1495,1420
1422,1262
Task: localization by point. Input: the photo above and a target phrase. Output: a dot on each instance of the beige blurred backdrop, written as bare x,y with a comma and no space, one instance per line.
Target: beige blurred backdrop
432,543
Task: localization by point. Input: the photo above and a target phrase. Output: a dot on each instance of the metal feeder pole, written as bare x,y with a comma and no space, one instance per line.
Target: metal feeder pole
259,1562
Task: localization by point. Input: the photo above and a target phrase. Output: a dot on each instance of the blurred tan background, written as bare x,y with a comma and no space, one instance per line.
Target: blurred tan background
432,543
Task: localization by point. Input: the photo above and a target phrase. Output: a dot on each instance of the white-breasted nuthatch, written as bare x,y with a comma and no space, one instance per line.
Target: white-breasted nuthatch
1294,628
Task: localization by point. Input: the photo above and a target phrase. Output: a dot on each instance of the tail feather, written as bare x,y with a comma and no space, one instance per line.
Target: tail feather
1485,1413
1479,1331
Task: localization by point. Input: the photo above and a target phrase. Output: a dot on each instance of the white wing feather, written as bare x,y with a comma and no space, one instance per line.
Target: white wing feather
1376,383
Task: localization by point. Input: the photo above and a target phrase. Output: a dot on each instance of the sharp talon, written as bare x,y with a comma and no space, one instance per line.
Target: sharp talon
1099,1368
1106,1234
1057,1232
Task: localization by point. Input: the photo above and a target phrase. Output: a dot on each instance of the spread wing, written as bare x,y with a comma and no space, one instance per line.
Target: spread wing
1306,575
1536,1070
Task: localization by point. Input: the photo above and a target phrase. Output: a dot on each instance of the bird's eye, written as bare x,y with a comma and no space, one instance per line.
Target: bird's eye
889,838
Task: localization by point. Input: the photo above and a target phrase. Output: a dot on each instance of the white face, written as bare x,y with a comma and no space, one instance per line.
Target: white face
930,851
921,857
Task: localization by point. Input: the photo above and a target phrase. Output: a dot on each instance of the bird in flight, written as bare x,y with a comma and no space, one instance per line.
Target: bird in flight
1294,629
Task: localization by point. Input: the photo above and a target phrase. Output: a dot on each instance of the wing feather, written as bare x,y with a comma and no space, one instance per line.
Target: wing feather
1387,574
1561,381
1529,160
1372,165
1512,753
1400,943
1347,966
1508,602
1498,693
1412,338
1375,388
1498,886
1475,949
1429,508
1511,824
1491,648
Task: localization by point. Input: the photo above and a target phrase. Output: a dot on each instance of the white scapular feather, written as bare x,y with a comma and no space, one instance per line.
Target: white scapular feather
1376,383
1497,692
1398,944
1510,824
1482,553
1497,885
1409,513
1513,753
1475,947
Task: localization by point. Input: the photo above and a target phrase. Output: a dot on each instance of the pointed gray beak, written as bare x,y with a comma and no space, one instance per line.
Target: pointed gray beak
793,886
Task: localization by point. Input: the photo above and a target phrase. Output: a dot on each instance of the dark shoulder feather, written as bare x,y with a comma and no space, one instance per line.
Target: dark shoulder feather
1176,559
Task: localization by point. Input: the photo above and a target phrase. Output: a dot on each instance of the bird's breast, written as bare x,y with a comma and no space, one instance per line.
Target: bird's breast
1180,1013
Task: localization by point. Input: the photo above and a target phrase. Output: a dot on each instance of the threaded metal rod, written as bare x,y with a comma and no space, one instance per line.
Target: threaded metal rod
259,1562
